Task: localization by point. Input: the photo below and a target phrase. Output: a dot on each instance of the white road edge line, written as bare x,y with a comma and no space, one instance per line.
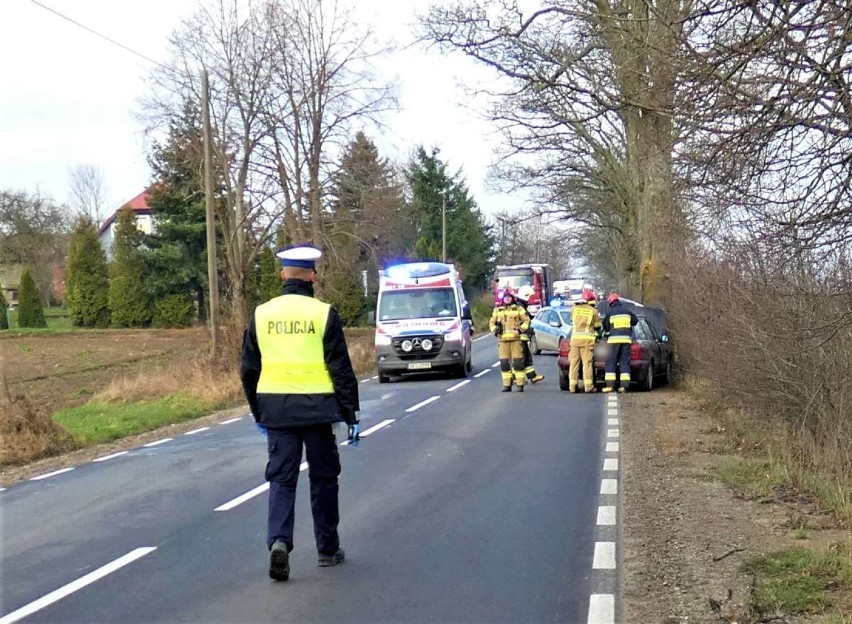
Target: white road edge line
606,515
423,403
612,422
194,431
604,556
372,429
365,380
610,465
74,586
374,377
601,609
458,385
609,486
231,420
239,500
478,375
158,442
495,364
612,433
113,456
612,447
50,474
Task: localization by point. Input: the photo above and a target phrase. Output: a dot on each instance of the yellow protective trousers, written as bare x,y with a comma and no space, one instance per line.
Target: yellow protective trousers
511,361
581,354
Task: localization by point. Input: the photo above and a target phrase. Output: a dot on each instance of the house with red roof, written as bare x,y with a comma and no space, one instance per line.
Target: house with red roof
144,220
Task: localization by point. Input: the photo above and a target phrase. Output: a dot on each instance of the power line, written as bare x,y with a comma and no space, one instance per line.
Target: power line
96,33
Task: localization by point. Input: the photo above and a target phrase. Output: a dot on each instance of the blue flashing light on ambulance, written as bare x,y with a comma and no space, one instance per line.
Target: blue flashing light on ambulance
423,321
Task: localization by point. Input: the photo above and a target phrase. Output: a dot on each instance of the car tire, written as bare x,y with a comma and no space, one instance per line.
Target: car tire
563,381
469,364
534,345
648,381
383,378
667,377
461,371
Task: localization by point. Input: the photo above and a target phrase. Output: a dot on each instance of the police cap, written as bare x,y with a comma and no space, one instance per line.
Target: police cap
303,256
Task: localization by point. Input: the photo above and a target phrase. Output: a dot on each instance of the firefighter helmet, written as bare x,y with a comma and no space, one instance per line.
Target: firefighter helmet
613,297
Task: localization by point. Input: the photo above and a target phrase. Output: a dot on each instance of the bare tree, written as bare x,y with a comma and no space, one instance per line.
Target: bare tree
287,80
88,191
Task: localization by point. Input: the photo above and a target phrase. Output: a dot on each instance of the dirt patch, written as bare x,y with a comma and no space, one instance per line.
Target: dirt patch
55,371
685,536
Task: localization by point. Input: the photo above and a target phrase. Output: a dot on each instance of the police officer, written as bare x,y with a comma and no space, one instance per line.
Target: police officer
298,380
508,322
618,325
585,321
529,366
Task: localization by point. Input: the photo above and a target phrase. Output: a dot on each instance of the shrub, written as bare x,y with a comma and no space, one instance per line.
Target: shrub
30,312
174,311
129,301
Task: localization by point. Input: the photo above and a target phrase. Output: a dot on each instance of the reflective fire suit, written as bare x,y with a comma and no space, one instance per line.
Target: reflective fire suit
508,322
585,321
619,324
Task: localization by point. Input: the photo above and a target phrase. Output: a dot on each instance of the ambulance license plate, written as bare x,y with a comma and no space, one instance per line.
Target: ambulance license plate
419,365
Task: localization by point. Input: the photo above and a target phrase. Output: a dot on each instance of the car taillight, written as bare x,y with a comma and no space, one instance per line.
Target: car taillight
564,348
637,352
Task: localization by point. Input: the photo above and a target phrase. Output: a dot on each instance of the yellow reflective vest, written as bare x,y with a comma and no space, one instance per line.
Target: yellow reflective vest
584,320
509,320
290,331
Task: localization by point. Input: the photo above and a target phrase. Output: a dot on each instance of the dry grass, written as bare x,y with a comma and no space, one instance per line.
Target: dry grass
26,432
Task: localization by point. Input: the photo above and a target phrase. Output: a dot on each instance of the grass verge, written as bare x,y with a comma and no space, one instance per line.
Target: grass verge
100,421
799,580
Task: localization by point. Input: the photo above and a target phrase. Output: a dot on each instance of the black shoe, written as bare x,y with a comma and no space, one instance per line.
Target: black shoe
326,561
279,561
507,388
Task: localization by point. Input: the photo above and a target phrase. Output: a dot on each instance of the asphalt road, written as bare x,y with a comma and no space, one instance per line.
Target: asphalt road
463,504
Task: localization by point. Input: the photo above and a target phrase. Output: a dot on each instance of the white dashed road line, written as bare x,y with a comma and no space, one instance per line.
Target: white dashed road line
604,558
601,609
612,422
194,431
74,586
231,420
51,474
239,500
458,385
610,465
108,457
431,399
495,364
606,515
609,486
478,375
612,447
158,442
612,433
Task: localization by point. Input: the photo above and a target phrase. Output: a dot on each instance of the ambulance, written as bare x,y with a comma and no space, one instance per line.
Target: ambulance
423,321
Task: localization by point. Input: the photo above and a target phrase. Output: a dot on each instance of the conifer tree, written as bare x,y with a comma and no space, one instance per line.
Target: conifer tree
4,317
129,299
87,282
30,311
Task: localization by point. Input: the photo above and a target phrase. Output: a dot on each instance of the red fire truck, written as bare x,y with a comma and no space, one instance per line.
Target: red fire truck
520,278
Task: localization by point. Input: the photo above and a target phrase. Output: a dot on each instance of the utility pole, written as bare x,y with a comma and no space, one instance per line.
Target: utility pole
212,277
443,228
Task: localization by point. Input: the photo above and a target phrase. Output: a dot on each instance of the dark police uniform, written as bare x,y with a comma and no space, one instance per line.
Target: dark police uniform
298,380
618,323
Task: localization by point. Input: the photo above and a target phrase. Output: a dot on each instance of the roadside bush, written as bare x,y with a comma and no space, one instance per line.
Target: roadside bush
174,311
129,301
28,433
775,340
30,311
4,316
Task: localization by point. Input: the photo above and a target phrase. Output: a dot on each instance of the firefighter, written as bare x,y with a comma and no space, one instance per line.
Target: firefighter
298,380
529,365
508,322
586,322
618,325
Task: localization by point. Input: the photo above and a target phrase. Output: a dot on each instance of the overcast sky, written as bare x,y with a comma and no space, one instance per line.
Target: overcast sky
68,98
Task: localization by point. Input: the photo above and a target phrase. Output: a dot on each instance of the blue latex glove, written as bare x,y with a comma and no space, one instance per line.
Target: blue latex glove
354,434
260,428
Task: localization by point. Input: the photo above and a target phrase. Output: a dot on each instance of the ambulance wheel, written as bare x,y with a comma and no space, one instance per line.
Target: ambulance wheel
383,378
